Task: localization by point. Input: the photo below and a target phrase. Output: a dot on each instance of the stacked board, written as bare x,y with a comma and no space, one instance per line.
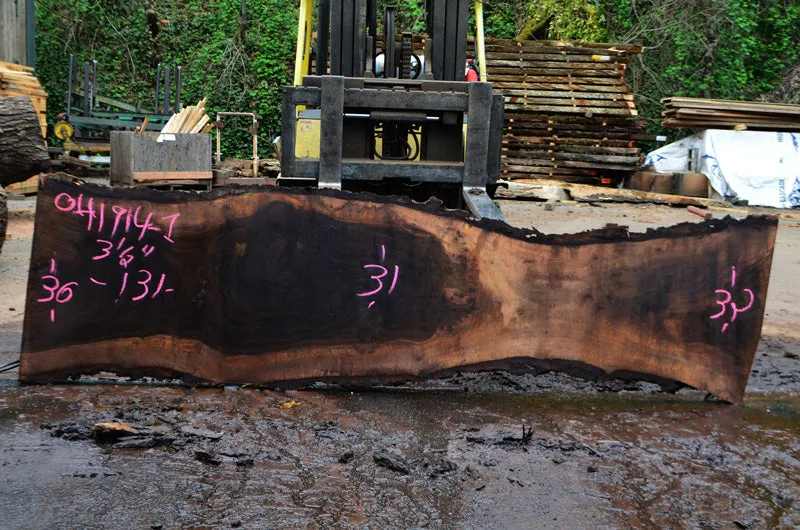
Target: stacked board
568,112
697,113
18,80
190,120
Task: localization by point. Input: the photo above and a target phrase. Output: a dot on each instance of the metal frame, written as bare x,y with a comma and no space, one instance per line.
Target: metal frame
479,167
218,127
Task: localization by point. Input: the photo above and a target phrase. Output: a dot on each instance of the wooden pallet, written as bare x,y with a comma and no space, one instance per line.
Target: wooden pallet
568,112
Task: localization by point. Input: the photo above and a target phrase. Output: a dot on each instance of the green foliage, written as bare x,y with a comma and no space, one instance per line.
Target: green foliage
569,19
728,49
238,67
735,49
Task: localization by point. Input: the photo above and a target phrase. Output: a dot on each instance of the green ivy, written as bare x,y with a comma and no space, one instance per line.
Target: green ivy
735,49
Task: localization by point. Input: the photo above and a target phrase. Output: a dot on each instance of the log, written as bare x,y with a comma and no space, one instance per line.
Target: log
268,285
22,150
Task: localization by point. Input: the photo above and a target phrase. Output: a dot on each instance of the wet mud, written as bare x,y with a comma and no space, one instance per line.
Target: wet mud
211,458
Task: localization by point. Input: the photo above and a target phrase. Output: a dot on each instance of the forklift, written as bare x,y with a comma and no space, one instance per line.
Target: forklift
370,111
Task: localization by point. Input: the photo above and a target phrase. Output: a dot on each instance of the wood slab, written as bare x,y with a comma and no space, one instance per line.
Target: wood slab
267,285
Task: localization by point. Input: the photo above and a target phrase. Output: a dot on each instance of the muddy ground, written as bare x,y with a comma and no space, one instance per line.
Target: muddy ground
491,450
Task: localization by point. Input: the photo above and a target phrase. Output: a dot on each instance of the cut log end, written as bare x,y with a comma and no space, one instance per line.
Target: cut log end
22,149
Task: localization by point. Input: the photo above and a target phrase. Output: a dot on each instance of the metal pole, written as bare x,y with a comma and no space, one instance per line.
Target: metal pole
480,47
158,87
388,42
178,88
166,90
94,85
219,141
300,51
323,33
255,147
30,32
87,89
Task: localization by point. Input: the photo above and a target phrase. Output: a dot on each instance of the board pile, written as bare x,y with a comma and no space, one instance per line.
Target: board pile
697,113
568,112
18,80
190,120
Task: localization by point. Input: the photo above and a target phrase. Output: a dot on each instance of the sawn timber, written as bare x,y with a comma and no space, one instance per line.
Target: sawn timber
267,285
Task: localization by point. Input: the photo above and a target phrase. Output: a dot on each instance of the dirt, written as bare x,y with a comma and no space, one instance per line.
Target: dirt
486,450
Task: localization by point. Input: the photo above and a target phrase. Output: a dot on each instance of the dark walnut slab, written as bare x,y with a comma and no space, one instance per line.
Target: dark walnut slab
261,285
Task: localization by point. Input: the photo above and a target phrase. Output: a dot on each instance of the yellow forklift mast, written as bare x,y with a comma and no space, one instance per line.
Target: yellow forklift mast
367,112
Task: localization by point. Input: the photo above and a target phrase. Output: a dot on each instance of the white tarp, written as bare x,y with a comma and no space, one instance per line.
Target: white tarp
762,168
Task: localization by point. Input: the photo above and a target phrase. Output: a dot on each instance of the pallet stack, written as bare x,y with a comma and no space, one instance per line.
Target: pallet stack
18,80
569,114
697,113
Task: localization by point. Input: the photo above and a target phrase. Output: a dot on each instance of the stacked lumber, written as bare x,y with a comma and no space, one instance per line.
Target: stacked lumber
190,120
568,111
698,113
18,80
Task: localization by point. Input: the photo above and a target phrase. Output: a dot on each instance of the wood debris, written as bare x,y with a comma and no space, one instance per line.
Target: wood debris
190,120
18,80
698,113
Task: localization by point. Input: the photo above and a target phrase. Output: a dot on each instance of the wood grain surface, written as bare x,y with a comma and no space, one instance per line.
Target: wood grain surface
261,285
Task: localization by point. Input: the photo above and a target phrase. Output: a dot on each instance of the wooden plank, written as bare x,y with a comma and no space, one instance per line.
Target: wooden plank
565,94
493,57
706,124
515,76
576,102
620,46
145,176
751,106
16,67
507,87
573,110
26,187
495,71
268,285
558,50
538,158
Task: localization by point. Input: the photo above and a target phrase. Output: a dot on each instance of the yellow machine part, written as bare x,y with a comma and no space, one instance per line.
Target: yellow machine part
63,130
307,139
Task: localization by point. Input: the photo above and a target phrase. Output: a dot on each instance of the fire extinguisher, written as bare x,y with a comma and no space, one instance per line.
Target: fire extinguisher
472,73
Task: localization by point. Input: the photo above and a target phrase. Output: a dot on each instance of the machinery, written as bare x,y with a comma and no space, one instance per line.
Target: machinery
87,126
372,112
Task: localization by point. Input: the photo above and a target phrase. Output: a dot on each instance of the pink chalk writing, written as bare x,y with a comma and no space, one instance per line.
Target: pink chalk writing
124,237
123,218
727,301
60,293
379,278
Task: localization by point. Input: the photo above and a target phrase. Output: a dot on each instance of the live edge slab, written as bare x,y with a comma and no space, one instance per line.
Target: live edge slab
267,285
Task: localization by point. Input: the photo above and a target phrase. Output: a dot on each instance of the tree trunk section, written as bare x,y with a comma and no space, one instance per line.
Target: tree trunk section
22,150
267,285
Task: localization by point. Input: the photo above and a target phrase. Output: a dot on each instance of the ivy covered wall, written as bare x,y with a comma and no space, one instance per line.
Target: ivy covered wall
737,49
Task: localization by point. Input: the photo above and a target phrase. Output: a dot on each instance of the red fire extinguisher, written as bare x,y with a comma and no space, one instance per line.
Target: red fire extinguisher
472,72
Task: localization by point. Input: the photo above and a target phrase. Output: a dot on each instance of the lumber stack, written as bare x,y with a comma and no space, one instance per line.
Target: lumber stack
568,112
698,113
18,80
190,120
